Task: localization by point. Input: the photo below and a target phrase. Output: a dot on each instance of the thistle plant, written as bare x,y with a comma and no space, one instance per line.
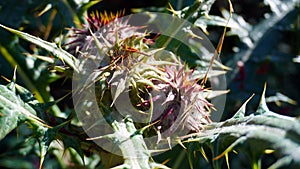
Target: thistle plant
135,98
163,91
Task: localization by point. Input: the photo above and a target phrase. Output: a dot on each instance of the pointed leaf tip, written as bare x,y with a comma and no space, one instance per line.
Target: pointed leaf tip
263,108
180,143
242,111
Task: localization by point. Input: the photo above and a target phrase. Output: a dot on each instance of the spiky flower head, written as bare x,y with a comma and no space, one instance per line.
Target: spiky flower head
95,23
151,85
185,99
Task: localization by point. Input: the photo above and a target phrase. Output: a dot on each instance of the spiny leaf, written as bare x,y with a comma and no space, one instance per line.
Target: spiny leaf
28,97
262,35
18,108
51,47
257,133
125,135
44,143
14,110
278,98
8,120
74,143
204,21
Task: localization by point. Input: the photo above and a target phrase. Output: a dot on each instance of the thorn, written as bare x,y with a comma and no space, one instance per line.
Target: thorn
157,165
203,154
169,142
158,151
227,160
263,108
242,111
171,9
15,74
230,148
144,128
101,137
269,151
47,8
5,78
231,10
166,161
219,47
180,143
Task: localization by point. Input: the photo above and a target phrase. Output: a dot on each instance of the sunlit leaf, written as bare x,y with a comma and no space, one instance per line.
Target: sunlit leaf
51,47
278,98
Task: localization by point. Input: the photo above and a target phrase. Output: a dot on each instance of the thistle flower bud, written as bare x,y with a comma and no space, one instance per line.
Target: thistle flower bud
133,79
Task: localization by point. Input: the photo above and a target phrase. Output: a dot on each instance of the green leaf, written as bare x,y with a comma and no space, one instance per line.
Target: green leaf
44,142
14,110
261,39
45,136
72,142
8,120
9,114
28,98
278,98
204,21
252,135
51,47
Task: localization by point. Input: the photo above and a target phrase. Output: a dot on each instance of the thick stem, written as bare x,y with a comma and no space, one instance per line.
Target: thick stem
132,145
